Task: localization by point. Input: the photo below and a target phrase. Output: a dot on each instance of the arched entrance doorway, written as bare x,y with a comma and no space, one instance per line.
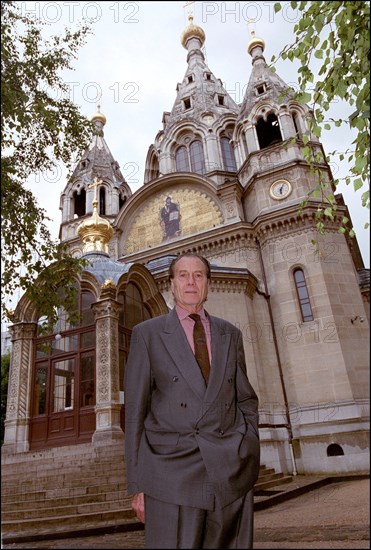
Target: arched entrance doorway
63,380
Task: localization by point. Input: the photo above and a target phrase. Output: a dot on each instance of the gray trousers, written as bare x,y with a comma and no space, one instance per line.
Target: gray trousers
172,526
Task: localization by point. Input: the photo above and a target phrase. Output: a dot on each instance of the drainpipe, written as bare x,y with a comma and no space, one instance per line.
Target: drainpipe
282,380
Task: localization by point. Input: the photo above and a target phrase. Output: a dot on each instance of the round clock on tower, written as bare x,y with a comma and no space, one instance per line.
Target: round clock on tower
280,189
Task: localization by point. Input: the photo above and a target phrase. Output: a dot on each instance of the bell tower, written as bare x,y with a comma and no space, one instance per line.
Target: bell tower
271,132
80,198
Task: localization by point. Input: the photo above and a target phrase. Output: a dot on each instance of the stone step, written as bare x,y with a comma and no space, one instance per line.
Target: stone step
266,471
51,509
36,500
44,470
82,453
57,524
53,494
63,481
44,499
267,477
261,485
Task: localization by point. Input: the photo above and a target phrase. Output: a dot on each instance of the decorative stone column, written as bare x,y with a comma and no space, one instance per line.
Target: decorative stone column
213,157
108,405
166,162
286,123
251,138
16,437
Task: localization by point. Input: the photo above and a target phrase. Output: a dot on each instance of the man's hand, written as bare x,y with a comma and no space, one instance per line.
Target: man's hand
137,505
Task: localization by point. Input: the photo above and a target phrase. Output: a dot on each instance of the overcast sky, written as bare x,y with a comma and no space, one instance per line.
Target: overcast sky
134,60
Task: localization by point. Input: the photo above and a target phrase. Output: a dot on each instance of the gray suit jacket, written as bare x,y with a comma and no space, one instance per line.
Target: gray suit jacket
185,443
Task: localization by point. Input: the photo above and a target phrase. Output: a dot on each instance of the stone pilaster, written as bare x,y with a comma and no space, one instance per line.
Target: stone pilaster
286,122
108,405
251,138
16,437
230,193
213,157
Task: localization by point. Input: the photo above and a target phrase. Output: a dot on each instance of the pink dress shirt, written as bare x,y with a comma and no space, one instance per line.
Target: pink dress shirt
188,323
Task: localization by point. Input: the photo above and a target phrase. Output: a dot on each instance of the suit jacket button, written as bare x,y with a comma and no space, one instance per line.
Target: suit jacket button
197,431
221,432
175,379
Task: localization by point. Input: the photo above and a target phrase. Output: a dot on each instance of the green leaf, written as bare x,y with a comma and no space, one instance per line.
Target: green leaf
304,97
357,184
329,213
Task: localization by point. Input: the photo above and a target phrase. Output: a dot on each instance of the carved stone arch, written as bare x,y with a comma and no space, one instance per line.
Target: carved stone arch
25,311
176,136
226,124
200,208
152,169
152,298
262,110
186,128
182,135
89,283
185,140
76,184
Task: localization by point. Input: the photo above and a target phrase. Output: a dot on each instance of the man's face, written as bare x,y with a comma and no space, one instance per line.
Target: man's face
190,284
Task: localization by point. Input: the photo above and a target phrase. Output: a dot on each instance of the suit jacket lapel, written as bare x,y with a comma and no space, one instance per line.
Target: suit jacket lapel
176,342
220,342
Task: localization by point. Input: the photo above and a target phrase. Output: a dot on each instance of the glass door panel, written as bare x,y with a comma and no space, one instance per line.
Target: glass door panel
64,385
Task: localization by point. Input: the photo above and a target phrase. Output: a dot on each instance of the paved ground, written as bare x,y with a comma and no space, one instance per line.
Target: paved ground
334,516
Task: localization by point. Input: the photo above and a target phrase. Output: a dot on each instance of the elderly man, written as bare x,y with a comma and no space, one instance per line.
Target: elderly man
192,443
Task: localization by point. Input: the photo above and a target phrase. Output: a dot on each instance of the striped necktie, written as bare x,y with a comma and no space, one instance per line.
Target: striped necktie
201,353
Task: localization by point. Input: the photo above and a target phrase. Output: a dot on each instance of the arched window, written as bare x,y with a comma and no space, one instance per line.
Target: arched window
190,159
335,450
229,161
197,157
303,296
133,309
63,384
152,170
102,201
87,315
79,203
268,131
181,160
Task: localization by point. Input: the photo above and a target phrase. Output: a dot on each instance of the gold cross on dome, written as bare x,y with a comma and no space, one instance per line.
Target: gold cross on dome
251,26
188,3
95,185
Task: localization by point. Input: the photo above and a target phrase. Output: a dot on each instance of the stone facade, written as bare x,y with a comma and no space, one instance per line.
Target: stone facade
220,165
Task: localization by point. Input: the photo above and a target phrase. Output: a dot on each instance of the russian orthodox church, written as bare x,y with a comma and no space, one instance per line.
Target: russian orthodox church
226,181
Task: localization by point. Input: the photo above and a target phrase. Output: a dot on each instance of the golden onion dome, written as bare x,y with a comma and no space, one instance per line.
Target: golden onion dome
192,31
99,116
255,41
95,232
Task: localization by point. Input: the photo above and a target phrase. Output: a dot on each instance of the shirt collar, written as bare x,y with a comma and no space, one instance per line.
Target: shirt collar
183,313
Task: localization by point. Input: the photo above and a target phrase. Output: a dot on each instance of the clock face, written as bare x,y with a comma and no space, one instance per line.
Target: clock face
280,189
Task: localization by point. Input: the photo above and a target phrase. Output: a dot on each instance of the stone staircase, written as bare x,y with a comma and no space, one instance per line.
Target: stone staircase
268,478
75,489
